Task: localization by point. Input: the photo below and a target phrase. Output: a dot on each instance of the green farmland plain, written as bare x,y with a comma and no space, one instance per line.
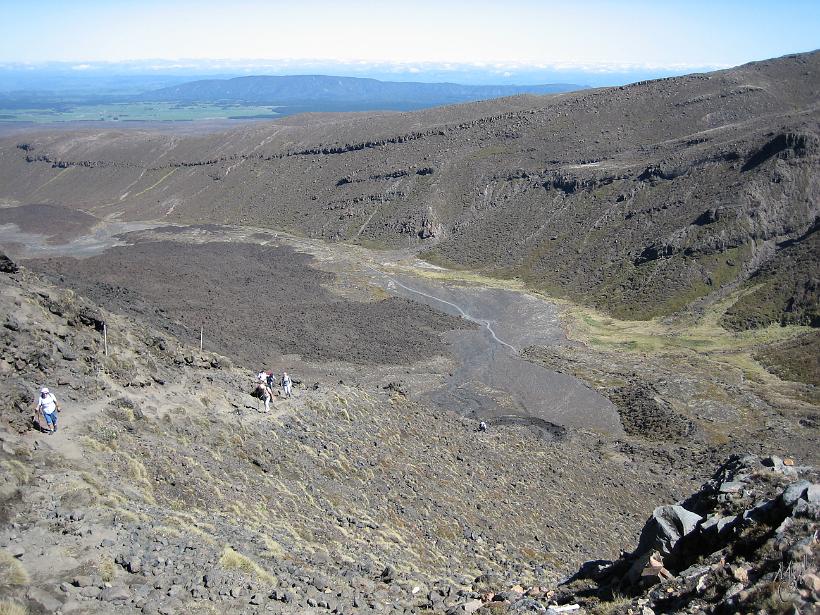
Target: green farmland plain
138,111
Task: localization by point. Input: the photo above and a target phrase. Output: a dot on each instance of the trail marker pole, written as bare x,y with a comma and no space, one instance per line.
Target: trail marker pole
105,338
200,338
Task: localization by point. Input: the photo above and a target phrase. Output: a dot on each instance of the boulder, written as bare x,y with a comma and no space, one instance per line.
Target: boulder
471,606
388,574
811,581
762,511
44,599
90,592
782,466
795,491
91,317
527,605
82,581
732,486
321,582
134,565
666,527
718,525
806,510
117,593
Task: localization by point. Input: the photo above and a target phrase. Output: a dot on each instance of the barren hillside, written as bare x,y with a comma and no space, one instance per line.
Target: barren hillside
639,199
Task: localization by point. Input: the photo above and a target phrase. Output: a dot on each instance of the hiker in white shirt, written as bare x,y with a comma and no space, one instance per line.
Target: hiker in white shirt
48,406
263,391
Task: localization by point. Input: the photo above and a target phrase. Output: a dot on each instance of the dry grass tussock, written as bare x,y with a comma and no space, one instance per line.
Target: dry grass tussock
609,607
107,568
8,607
12,571
233,560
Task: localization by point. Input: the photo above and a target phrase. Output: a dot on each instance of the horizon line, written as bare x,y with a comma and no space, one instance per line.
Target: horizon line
158,64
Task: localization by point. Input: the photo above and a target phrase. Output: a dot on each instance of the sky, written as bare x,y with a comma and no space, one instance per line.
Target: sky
595,35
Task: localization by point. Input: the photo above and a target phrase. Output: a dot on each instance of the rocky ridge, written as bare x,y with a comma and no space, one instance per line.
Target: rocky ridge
745,542
640,200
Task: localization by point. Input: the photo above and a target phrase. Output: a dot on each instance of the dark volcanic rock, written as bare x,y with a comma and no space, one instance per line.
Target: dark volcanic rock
7,265
643,413
757,523
219,285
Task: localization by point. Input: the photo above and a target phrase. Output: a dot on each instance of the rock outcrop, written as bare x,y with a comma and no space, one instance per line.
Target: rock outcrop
745,542
7,265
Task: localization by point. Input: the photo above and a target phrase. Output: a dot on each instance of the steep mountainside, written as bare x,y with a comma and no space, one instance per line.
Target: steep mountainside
165,491
638,199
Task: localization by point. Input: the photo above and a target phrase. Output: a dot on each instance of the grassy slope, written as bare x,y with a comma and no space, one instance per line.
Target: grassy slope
784,290
795,359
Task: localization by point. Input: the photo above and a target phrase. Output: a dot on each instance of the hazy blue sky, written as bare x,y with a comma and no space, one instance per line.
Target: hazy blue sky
633,32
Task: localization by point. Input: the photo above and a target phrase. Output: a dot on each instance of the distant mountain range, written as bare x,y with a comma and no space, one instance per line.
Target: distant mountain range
347,92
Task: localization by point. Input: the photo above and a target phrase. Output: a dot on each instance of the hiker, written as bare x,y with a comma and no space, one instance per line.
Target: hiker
270,380
286,384
47,405
266,397
263,391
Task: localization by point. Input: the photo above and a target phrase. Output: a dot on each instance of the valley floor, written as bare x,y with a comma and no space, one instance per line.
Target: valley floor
167,490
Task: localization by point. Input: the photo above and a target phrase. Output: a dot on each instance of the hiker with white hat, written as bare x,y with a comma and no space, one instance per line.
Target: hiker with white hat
263,391
47,405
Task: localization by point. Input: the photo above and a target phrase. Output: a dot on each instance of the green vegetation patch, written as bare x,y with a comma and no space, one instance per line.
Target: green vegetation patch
797,359
784,291
665,286
139,112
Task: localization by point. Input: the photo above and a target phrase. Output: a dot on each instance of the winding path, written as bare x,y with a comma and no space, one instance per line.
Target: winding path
479,321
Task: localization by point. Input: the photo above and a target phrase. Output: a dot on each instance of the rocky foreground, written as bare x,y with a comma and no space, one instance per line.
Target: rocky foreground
745,542
166,491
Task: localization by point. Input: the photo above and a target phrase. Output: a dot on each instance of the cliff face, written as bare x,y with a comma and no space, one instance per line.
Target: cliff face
639,199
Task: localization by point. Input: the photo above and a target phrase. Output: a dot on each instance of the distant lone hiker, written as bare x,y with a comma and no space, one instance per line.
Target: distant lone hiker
287,385
47,405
